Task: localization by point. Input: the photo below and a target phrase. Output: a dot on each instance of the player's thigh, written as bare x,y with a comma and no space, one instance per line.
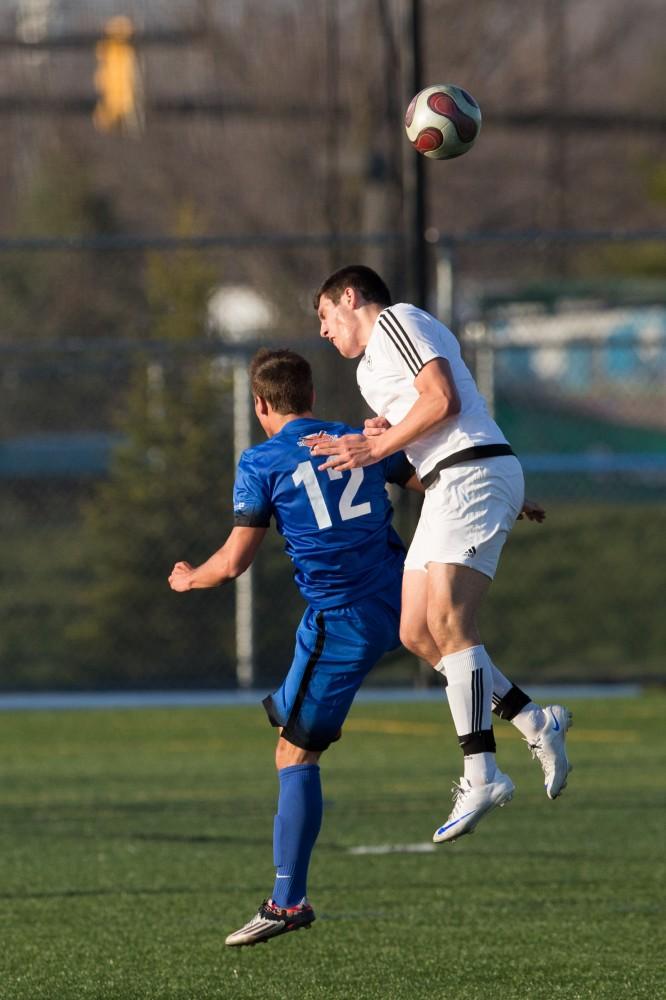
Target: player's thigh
414,596
355,639
335,650
454,595
308,647
414,632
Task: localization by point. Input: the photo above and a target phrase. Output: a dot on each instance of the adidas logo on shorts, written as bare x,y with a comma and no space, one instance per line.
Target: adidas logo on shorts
471,551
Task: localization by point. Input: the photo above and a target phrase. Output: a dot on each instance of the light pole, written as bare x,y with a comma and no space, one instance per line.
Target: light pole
238,314
414,173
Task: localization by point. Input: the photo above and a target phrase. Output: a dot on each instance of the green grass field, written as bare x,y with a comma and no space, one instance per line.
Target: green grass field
133,841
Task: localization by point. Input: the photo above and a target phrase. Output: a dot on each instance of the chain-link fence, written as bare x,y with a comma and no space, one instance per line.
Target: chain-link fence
124,405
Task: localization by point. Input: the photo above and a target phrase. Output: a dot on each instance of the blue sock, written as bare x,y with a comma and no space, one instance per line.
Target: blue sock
296,828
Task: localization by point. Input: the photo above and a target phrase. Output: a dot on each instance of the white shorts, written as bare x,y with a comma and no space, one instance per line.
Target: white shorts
467,514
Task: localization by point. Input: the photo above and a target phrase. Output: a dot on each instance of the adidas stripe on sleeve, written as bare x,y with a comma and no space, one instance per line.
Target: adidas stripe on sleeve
404,342
406,335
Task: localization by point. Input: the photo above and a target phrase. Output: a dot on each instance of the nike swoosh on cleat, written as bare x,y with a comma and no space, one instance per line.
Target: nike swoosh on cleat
556,724
448,826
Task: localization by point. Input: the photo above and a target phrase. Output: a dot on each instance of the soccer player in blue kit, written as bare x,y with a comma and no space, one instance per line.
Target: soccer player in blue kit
348,561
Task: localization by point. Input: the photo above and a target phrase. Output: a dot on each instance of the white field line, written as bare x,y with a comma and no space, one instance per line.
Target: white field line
425,848
72,700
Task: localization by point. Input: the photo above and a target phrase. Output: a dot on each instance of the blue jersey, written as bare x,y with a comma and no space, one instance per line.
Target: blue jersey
336,525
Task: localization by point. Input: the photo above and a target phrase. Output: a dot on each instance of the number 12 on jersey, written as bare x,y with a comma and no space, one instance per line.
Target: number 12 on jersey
305,475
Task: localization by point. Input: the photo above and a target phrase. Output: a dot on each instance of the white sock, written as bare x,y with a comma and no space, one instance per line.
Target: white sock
469,693
441,667
480,768
469,689
501,684
530,721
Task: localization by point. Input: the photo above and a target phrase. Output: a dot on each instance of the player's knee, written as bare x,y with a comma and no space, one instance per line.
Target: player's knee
413,639
288,755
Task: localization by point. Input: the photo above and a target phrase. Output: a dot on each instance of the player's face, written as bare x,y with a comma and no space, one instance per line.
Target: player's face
338,322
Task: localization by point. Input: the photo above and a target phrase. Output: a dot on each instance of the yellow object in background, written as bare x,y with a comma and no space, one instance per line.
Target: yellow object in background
117,79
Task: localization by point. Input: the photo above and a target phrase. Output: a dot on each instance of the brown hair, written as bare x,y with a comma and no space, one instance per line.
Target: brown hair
358,276
283,378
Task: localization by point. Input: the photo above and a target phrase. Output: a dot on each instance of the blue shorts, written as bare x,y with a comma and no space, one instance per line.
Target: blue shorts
335,650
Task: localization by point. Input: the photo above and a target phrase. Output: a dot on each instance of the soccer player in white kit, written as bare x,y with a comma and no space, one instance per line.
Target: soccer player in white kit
412,375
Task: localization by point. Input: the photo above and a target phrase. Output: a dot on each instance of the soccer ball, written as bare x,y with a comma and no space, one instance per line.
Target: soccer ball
443,121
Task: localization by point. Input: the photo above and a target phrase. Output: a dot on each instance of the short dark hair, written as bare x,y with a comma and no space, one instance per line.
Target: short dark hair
358,276
283,378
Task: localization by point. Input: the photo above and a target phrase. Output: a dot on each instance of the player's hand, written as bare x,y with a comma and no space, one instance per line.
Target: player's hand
351,451
180,578
532,511
375,425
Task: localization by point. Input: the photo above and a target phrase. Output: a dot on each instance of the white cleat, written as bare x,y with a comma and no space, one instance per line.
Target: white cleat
271,921
548,749
471,803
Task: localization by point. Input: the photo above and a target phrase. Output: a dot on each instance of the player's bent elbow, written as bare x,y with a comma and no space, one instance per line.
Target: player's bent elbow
236,567
444,407
454,407
450,407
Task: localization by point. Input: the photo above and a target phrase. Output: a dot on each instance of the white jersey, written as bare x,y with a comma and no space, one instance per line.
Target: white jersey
402,341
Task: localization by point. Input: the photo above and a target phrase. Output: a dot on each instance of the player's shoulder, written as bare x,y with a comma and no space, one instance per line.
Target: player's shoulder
261,458
408,325
253,455
293,438
338,428
415,318
401,323
333,428
404,310
250,465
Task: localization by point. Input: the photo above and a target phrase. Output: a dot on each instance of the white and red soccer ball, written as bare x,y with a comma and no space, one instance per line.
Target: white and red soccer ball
443,121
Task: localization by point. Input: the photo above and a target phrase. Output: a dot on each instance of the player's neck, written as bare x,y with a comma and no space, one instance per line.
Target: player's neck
367,318
276,421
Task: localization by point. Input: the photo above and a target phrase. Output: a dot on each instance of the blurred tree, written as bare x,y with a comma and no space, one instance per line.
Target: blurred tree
58,293
635,261
178,286
167,497
55,296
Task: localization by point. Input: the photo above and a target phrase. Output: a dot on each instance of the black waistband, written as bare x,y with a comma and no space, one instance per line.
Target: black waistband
466,455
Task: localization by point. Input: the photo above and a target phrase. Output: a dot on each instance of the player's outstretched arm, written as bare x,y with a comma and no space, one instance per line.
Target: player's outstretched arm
438,399
226,564
374,426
